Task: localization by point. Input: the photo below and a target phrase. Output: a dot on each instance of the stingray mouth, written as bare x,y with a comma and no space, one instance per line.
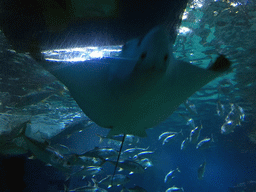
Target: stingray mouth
155,69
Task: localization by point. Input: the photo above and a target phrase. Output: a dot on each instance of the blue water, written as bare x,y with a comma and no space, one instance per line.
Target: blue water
226,166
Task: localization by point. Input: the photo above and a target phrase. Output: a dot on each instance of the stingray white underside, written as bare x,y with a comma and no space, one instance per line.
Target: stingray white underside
135,92
127,105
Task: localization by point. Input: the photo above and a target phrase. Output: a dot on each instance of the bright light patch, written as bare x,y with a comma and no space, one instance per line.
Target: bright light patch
96,54
234,4
184,30
197,4
81,54
185,15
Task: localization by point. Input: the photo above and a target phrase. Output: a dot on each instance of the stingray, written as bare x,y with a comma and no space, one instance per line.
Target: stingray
139,89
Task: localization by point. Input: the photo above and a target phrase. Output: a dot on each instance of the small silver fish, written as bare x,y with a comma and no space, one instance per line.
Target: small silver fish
129,153
77,125
190,121
47,154
131,150
194,134
34,98
241,113
228,127
82,160
190,107
173,188
236,114
143,154
118,179
165,134
171,175
169,139
129,165
87,188
204,144
220,109
101,153
64,150
184,144
201,170
86,171
145,162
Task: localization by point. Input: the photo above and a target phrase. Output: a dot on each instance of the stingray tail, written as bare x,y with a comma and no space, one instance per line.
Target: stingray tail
119,153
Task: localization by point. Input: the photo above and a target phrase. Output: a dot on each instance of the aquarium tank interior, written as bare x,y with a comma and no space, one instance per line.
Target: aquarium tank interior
125,96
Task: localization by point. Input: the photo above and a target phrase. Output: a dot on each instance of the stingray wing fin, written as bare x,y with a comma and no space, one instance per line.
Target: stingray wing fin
90,83
187,78
109,68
